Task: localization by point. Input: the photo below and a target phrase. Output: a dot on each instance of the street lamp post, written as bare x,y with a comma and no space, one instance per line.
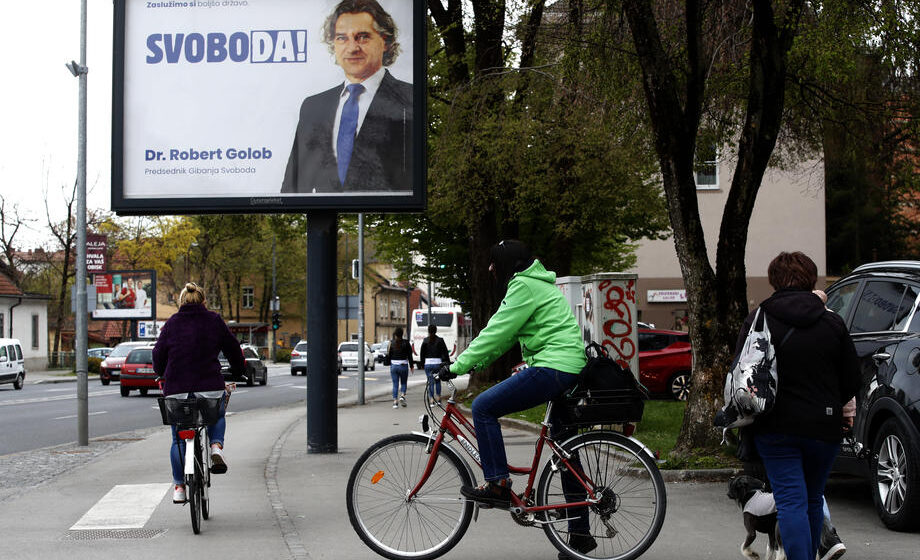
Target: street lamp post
80,322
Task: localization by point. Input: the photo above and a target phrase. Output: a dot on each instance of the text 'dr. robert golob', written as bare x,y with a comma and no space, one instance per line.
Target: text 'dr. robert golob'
192,154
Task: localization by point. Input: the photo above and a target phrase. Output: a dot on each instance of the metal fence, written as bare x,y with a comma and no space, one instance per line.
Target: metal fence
61,360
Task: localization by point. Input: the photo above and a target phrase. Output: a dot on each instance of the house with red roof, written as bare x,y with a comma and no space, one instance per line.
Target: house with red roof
25,317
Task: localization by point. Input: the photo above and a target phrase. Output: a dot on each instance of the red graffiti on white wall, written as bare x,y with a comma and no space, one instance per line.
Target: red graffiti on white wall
619,329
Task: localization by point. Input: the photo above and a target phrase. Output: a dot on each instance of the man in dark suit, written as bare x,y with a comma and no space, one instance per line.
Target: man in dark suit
357,136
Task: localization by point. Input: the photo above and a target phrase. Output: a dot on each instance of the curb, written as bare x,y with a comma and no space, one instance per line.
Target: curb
61,379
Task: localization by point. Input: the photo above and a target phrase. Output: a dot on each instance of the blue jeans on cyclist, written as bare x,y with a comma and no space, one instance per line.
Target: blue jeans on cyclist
433,388
216,434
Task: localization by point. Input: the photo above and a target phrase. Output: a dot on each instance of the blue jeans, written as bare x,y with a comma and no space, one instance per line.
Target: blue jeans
526,389
798,468
433,388
400,376
177,450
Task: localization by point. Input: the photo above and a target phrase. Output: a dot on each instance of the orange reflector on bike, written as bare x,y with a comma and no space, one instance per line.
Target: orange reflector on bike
186,434
376,478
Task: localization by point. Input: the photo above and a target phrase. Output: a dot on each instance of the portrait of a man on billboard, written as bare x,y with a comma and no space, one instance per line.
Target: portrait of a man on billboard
269,106
356,136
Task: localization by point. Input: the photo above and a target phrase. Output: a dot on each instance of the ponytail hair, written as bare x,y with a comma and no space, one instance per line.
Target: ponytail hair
192,294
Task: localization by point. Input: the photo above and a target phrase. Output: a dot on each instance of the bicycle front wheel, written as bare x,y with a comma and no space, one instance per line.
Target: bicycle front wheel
632,501
193,491
421,528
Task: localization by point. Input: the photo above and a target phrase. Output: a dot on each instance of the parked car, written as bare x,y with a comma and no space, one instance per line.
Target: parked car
137,371
348,352
12,364
110,368
880,304
380,350
98,352
299,358
665,362
255,368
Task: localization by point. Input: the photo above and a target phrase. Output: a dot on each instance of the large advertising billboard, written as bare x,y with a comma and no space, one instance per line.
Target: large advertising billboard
125,294
268,106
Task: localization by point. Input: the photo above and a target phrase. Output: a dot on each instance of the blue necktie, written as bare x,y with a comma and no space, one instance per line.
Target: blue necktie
348,126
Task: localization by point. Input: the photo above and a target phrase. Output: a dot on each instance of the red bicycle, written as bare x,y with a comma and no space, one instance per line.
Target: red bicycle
404,501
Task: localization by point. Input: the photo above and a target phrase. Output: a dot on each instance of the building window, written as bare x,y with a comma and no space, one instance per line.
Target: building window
35,332
382,308
707,167
1,326
249,297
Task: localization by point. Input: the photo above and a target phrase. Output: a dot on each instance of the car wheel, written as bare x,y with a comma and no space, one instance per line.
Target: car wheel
249,378
125,391
264,379
895,477
680,385
293,371
105,380
17,383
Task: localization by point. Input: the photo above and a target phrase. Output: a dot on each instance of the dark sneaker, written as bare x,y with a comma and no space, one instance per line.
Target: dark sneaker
582,543
491,494
831,547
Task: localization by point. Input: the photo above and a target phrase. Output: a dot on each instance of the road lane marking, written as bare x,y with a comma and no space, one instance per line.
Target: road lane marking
57,398
126,506
74,415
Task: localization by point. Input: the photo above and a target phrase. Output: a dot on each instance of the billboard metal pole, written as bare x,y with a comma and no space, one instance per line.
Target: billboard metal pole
361,356
322,382
80,321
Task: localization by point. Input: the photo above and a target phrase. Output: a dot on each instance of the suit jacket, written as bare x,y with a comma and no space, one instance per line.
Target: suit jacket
382,155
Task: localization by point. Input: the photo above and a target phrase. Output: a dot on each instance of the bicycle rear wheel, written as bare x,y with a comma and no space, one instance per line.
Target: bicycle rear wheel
429,524
631,510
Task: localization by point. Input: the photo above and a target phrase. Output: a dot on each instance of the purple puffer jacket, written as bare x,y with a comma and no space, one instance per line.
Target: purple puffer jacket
186,352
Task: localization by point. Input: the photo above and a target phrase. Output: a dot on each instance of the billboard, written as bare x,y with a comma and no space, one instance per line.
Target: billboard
268,106
125,294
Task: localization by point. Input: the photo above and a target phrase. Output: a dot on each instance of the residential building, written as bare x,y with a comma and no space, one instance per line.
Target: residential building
788,216
25,317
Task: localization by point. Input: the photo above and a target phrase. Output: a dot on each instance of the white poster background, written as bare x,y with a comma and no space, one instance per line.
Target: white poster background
206,106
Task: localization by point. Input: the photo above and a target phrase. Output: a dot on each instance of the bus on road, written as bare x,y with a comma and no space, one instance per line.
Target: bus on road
454,327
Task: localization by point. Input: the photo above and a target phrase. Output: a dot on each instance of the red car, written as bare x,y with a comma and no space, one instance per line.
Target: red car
110,368
137,373
665,362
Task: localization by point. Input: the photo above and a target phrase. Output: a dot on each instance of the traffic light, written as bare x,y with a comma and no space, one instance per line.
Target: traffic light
276,320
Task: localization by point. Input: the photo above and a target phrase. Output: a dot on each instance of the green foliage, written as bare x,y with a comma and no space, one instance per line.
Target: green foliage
283,355
92,364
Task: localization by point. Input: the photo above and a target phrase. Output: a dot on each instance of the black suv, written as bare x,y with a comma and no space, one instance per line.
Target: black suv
880,303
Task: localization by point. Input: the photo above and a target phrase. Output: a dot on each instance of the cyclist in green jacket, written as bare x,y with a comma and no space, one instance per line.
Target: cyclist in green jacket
535,314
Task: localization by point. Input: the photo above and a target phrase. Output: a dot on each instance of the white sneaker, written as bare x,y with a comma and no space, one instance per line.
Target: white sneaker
179,494
218,465
402,400
395,404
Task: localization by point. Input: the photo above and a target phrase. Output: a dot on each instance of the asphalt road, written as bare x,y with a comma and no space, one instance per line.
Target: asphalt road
44,415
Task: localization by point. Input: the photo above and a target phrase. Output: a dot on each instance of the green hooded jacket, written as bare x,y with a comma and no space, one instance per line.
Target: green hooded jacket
534,313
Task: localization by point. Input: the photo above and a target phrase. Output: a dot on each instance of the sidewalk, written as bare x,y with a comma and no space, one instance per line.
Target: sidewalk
279,502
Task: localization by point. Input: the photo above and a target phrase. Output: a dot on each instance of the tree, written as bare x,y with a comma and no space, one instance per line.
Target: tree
11,221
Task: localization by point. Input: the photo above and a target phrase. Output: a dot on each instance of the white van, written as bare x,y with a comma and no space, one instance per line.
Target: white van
12,364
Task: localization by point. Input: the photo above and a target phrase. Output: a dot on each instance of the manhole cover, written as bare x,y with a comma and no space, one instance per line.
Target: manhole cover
97,534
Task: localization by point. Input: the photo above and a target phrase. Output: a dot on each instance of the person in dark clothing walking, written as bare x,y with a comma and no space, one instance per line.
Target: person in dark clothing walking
431,356
817,373
399,358
186,357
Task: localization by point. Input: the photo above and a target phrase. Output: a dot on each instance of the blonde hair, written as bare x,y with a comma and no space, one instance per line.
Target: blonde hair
192,294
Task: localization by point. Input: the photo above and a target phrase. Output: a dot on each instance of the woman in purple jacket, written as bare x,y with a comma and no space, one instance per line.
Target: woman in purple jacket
185,356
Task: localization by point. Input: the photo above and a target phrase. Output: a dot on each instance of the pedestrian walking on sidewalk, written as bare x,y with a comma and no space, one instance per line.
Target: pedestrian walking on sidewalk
818,373
186,357
432,355
399,358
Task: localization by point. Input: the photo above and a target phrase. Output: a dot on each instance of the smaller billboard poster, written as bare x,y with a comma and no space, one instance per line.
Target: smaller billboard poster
96,253
125,294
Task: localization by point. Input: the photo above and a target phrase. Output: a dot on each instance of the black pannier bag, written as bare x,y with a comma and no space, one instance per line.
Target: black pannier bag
606,393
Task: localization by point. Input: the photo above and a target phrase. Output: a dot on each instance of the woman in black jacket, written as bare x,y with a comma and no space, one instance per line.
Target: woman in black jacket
432,355
399,358
817,373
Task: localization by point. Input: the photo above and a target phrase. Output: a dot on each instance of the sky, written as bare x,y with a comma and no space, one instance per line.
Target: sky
38,108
